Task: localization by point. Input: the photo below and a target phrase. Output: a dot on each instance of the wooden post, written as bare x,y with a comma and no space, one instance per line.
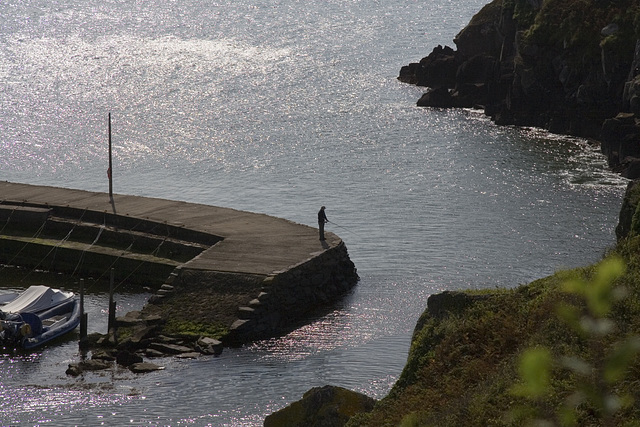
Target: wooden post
112,306
83,318
110,170
81,297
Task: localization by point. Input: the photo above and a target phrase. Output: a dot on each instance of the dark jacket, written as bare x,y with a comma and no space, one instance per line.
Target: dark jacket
322,218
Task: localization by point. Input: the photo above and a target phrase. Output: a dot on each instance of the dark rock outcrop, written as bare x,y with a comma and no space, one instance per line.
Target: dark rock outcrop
450,302
321,407
436,70
621,143
628,210
567,67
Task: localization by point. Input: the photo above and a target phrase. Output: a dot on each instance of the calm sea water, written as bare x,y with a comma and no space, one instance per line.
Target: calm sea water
280,107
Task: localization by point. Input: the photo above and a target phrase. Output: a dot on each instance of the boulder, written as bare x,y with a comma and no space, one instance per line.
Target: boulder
153,353
437,97
191,355
107,340
156,299
93,338
206,345
139,335
437,69
144,367
106,355
132,318
76,369
320,407
126,358
170,348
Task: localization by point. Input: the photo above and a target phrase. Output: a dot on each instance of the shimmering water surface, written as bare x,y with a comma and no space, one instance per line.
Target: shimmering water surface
280,107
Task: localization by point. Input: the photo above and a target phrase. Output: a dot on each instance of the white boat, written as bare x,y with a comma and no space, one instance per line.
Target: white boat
35,299
37,315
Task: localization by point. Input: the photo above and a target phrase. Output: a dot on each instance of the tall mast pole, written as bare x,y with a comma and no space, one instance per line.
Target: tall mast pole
109,171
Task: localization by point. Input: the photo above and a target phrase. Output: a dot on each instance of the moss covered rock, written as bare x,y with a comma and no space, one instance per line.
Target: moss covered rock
321,406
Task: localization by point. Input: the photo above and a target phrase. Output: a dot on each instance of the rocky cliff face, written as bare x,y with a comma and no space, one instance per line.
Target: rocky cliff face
568,66
629,220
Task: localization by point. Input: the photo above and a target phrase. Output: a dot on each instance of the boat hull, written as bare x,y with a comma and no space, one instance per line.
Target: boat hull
70,319
58,313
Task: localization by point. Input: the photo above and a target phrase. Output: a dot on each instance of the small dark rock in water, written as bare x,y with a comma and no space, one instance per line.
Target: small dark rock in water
191,355
126,358
130,319
153,353
144,367
320,407
206,345
170,348
76,369
106,355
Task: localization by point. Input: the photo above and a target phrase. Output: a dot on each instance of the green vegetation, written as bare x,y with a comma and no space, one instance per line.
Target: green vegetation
575,26
562,350
598,373
559,351
523,12
183,327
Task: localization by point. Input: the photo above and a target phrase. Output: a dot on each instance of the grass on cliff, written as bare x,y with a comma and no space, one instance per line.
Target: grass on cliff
463,368
189,328
577,25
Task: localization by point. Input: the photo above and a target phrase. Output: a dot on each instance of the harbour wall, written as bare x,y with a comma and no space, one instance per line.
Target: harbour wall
255,275
289,296
260,306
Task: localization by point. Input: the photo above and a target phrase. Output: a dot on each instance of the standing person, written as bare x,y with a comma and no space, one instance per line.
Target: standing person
322,220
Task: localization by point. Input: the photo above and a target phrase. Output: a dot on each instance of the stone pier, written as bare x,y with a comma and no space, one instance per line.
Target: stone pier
252,274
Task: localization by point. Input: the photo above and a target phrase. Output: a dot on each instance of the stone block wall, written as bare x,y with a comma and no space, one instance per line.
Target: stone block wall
288,296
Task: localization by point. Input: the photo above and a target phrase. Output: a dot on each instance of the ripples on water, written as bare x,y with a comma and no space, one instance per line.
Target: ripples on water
280,108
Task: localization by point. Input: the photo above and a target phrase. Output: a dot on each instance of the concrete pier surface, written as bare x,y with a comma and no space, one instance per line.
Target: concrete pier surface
251,243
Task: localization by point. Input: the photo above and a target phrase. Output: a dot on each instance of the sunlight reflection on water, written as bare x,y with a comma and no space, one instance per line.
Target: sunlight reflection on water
278,109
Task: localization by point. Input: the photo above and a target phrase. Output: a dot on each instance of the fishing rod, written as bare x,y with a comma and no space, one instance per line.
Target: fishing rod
338,225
